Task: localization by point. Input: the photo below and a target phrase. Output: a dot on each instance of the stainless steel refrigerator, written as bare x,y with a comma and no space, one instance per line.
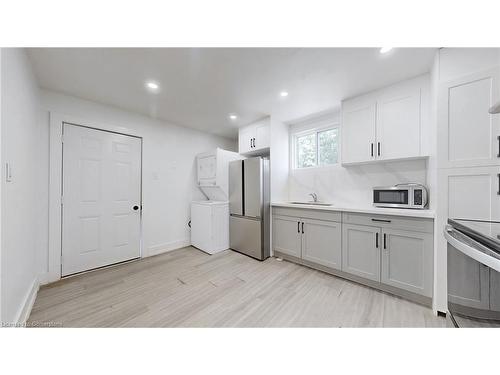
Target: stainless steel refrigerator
249,207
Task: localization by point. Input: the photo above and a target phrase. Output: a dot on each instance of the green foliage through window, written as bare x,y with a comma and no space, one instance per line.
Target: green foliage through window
306,151
317,149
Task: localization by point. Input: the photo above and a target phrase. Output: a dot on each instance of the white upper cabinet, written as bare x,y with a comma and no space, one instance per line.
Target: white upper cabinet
262,135
254,139
358,131
245,139
469,135
398,125
386,124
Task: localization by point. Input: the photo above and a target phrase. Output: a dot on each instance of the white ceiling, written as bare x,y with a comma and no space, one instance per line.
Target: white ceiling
201,86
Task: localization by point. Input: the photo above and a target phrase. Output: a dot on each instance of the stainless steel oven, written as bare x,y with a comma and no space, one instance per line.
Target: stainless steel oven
400,196
473,272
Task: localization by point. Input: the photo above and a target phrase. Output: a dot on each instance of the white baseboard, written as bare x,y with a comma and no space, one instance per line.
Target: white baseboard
163,248
29,300
44,279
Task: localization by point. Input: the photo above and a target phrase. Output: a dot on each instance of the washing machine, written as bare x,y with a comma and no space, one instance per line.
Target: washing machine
210,225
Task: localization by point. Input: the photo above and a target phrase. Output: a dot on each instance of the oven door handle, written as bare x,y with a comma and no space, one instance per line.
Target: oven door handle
451,236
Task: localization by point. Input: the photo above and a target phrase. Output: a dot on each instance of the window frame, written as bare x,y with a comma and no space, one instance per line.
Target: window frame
314,130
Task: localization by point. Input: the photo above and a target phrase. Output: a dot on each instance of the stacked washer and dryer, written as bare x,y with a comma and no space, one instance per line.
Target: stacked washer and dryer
210,218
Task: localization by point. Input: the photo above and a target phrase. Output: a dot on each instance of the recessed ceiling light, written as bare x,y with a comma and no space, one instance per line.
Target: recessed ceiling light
232,116
153,86
284,94
385,49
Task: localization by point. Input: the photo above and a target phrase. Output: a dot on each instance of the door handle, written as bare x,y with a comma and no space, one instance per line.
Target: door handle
254,143
498,155
298,226
135,208
378,147
498,192
376,240
251,143
302,228
381,220
385,244
372,148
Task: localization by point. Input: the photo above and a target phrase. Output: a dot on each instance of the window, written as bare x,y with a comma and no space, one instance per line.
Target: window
316,148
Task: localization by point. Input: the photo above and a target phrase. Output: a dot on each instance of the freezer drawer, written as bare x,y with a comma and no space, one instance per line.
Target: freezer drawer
246,236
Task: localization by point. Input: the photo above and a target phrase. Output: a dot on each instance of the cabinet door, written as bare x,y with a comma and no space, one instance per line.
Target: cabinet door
471,193
468,281
361,251
494,290
407,259
468,134
287,235
262,134
245,139
321,243
358,132
398,125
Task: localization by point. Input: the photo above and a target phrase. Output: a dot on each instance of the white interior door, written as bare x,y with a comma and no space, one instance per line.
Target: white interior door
101,211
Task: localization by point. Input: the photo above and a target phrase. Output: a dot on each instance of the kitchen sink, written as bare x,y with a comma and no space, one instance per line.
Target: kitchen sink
313,203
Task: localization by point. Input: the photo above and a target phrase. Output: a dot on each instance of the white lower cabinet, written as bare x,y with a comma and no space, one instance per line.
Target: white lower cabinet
287,237
317,241
391,250
407,260
321,243
361,251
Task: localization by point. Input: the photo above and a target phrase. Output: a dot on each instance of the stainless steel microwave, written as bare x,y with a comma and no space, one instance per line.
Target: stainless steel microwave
400,196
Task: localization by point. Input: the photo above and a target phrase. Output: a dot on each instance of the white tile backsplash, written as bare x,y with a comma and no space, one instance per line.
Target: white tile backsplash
352,185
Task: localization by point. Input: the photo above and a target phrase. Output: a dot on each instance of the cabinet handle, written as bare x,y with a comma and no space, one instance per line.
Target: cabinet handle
251,143
498,192
381,220
385,244
378,147
302,228
498,155
298,226
376,240
254,143
372,148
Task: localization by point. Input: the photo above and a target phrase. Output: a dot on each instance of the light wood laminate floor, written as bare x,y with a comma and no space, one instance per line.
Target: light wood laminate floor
188,288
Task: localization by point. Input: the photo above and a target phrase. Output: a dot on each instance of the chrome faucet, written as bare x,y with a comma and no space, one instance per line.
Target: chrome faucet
314,196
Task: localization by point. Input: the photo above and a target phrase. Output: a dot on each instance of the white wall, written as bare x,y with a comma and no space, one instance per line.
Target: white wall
457,62
279,160
350,186
21,133
169,174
